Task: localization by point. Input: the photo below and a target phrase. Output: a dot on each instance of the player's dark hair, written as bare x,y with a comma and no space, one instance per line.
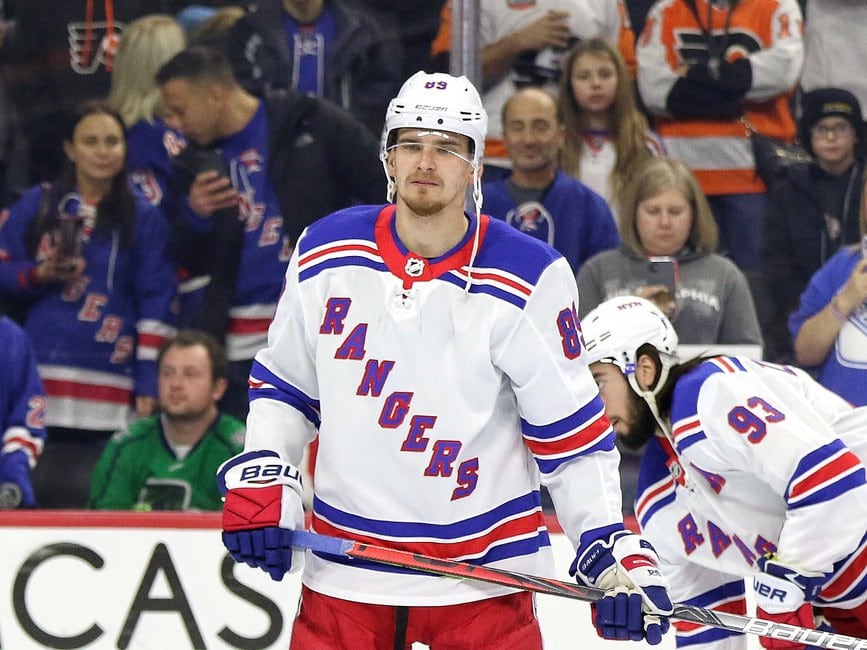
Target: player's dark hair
678,370
116,210
197,63
190,337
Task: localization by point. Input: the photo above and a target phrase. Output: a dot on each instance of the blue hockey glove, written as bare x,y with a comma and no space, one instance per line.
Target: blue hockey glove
16,490
784,594
636,603
262,506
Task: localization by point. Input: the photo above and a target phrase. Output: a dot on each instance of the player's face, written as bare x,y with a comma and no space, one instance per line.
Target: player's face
594,82
186,389
98,150
629,415
833,140
194,108
431,170
664,222
531,132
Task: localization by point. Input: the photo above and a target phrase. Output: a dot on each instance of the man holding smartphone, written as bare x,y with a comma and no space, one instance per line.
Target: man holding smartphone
285,160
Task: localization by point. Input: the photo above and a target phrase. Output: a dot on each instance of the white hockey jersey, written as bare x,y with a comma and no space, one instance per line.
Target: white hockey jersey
763,459
439,404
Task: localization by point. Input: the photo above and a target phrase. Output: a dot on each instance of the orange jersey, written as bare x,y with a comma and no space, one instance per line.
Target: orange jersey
769,34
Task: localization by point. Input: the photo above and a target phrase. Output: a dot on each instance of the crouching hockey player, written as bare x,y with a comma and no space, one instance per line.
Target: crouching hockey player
751,470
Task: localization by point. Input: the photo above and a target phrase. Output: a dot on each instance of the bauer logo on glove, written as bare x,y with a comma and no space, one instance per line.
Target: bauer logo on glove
261,509
270,473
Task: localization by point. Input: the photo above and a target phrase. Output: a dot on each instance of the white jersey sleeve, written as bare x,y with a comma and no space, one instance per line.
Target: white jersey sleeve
284,389
562,416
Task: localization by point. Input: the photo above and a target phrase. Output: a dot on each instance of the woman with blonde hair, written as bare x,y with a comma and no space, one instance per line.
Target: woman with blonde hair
607,136
666,222
145,45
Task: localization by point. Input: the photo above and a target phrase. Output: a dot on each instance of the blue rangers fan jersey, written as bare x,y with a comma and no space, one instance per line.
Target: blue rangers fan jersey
22,398
762,459
442,390
150,146
265,249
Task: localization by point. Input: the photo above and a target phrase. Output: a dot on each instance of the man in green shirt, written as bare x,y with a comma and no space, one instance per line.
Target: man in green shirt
169,461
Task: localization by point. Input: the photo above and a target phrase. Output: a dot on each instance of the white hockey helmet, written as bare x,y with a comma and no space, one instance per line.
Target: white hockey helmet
438,102
615,330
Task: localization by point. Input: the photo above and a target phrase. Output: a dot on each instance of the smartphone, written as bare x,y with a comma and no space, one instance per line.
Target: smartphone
210,159
663,270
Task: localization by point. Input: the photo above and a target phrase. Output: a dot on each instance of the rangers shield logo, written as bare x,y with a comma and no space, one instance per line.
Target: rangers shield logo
533,219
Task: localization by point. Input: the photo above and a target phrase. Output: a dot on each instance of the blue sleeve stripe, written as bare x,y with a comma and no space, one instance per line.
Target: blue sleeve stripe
547,466
824,474
688,441
264,384
585,416
648,513
853,481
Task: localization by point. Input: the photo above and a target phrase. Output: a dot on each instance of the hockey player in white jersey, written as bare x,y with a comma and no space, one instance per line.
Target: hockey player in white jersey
751,471
437,356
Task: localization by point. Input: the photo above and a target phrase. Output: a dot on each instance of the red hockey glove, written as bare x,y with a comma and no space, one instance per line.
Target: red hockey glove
636,603
783,594
262,506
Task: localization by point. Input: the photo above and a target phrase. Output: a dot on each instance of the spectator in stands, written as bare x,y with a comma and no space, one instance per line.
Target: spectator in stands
168,461
523,45
537,197
145,45
13,151
22,417
278,163
666,214
212,31
417,23
90,258
831,28
709,71
607,136
814,208
324,48
829,329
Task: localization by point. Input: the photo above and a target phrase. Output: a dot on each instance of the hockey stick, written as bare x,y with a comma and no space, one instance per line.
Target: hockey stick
732,622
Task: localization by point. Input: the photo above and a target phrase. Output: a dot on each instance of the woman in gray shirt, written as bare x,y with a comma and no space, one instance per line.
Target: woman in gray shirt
665,214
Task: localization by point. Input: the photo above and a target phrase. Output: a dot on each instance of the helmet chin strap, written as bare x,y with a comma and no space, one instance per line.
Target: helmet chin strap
477,200
649,395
